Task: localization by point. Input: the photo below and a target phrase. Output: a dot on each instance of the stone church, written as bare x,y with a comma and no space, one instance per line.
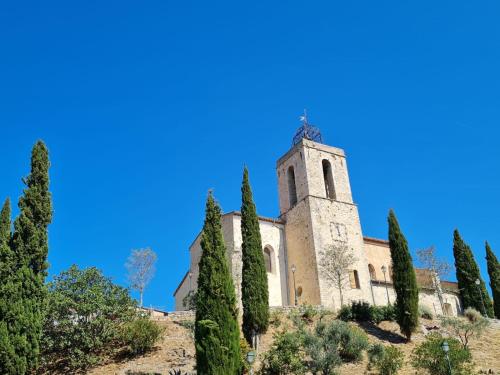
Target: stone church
317,211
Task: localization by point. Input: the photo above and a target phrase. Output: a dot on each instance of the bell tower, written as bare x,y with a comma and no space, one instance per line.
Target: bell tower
317,207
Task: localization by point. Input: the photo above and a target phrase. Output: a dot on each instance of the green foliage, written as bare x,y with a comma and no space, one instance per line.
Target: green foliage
425,312
217,335
387,360
189,300
430,356
472,326
404,279
84,318
330,344
254,289
244,350
189,325
141,335
23,268
467,274
286,355
363,312
275,318
494,273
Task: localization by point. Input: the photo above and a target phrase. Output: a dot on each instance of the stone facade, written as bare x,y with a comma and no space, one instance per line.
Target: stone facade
316,211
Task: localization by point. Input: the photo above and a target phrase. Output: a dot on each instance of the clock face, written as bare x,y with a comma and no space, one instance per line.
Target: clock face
338,231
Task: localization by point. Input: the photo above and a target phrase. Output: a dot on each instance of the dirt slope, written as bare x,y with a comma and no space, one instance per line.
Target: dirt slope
176,349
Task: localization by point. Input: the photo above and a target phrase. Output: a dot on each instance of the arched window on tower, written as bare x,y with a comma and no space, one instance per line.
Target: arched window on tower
292,190
268,259
328,178
371,269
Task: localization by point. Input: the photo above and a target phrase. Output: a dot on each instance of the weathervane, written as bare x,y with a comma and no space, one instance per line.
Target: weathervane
307,131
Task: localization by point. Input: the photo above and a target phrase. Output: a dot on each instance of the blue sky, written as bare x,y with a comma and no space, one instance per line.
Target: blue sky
146,105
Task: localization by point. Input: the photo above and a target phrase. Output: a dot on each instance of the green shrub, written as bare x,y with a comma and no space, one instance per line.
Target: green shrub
430,356
275,318
387,360
189,325
388,312
308,312
353,341
141,335
363,312
345,313
286,355
472,315
425,312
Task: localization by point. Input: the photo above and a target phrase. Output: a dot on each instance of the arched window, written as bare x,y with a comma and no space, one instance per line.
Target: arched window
328,178
371,269
354,279
268,260
292,190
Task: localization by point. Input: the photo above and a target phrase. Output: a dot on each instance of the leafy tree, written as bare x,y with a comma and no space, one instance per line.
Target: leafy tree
334,264
254,289
6,255
430,356
467,273
216,331
404,279
140,335
494,273
84,318
141,269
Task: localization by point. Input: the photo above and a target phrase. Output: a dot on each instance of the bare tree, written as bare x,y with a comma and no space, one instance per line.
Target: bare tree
438,268
334,264
141,269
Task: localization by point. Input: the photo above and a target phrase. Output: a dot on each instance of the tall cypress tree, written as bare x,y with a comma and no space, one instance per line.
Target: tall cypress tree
6,257
7,349
216,312
30,246
404,279
494,273
254,289
467,273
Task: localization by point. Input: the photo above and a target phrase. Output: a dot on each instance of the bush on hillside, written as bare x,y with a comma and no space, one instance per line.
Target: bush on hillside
141,335
363,312
425,312
286,355
387,360
471,326
85,313
430,356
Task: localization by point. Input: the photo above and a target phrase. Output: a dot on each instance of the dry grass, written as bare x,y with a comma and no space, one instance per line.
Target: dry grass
176,349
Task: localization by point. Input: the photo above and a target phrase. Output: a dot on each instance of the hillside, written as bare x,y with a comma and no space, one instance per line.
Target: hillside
176,350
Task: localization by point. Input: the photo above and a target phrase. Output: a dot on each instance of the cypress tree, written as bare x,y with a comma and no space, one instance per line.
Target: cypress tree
494,273
404,279
216,326
6,257
30,246
467,273
254,289
7,352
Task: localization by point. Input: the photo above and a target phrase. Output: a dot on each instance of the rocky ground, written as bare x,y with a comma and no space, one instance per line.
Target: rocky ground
176,349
